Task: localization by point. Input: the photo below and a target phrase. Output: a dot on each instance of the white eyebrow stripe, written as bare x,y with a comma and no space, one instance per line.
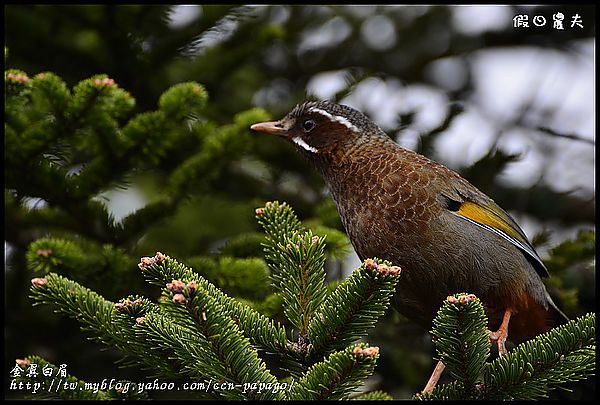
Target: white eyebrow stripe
299,141
335,118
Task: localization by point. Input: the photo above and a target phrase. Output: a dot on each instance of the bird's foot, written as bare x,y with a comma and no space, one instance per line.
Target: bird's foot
500,336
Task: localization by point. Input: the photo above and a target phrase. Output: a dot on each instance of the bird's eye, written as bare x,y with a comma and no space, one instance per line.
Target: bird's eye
308,125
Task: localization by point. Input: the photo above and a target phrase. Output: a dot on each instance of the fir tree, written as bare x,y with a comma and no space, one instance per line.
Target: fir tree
201,217
195,332
529,371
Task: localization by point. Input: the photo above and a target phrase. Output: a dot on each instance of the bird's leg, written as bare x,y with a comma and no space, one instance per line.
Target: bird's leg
435,376
499,337
502,333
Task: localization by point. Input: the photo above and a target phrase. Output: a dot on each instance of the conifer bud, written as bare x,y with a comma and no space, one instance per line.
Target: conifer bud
17,78
44,252
146,262
370,264
106,82
365,352
395,270
179,299
39,282
451,299
23,363
383,269
176,286
159,258
465,299
192,286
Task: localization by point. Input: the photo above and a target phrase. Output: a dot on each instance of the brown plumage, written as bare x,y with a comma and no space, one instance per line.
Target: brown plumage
445,234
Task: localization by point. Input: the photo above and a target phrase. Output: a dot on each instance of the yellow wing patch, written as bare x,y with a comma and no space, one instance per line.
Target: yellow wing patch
494,219
486,216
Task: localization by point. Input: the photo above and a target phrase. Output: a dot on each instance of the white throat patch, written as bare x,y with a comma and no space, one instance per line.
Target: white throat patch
335,118
299,141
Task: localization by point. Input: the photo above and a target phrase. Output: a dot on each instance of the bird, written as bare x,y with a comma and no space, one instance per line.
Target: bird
445,234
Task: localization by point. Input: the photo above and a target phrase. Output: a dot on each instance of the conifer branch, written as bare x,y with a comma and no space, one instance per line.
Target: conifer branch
218,146
242,277
337,376
533,368
52,382
529,371
453,391
302,289
297,263
461,339
236,361
258,328
112,324
278,221
373,396
135,224
366,294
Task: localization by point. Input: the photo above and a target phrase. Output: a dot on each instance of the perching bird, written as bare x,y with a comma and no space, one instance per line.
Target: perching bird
445,234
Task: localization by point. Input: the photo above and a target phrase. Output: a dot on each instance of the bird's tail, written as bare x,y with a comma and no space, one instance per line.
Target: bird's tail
557,317
535,321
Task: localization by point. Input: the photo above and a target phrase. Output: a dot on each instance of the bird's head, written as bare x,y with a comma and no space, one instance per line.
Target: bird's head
320,127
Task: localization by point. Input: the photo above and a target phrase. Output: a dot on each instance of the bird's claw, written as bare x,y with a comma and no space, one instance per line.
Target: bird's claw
499,337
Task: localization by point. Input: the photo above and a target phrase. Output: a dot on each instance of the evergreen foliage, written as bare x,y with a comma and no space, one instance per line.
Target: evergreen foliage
195,170
461,342
373,396
52,382
80,141
196,332
529,371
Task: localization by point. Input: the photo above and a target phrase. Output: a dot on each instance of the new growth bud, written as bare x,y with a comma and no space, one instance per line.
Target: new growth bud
463,299
176,286
451,299
179,299
383,269
23,363
365,352
39,282
127,303
370,264
44,252
146,262
17,78
192,286
106,82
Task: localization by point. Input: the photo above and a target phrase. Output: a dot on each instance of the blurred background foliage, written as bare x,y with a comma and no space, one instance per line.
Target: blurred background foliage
512,109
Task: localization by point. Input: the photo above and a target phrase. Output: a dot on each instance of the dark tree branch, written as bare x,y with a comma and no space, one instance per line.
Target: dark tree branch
574,137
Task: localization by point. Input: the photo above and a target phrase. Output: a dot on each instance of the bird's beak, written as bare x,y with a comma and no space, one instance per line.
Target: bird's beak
271,127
